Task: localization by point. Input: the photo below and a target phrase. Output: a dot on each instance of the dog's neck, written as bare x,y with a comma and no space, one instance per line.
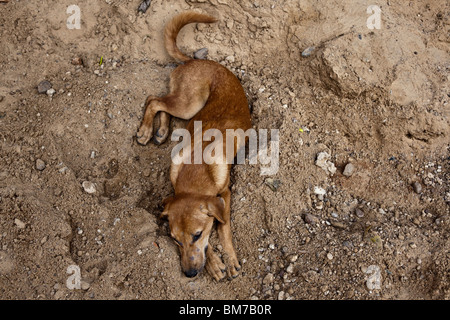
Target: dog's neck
195,179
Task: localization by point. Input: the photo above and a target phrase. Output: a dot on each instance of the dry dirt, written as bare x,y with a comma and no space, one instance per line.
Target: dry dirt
378,99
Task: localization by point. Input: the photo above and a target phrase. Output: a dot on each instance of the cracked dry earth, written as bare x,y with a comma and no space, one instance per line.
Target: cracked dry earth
359,208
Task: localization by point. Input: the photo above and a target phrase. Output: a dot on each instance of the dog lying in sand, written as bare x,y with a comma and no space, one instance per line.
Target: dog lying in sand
200,90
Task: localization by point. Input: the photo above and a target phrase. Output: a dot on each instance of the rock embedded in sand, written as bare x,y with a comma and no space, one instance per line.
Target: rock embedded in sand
20,224
85,285
310,219
143,7
201,53
359,213
268,279
307,52
273,184
89,187
230,59
417,187
319,191
319,205
44,86
349,170
40,164
50,92
323,161
113,30
77,61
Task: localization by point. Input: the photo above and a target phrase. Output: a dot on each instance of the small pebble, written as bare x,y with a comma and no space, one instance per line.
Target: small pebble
319,191
268,279
323,161
319,205
85,285
359,213
147,172
338,224
63,170
417,187
311,219
40,164
50,92
201,54
89,187
348,170
230,59
273,184
113,30
330,256
307,52
290,268
59,294
144,6
44,86
20,224
77,61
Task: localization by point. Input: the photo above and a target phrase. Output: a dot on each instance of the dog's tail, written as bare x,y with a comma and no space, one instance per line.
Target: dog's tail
175,25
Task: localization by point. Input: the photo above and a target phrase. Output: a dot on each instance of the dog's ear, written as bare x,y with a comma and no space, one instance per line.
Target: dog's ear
166,203
215,208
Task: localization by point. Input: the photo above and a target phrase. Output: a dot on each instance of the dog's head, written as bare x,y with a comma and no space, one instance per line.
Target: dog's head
191,219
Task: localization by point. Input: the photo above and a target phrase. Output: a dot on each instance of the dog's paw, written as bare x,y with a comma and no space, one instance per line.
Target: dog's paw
233,266
144,135
160,136
215,267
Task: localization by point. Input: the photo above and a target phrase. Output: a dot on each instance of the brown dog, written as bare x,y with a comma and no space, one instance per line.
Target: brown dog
205,91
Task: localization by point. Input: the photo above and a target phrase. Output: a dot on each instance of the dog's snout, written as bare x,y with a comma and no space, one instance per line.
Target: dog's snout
191,273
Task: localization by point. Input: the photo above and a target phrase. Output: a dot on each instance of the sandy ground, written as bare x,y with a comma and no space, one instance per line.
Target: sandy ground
375,98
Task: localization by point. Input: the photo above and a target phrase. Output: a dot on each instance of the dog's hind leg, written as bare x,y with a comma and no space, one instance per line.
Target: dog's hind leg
163,131
152,106
184,101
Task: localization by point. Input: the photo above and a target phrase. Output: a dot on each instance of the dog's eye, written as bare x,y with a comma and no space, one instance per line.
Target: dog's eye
196,236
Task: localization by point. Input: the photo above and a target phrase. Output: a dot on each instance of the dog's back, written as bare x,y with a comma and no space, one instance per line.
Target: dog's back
226,106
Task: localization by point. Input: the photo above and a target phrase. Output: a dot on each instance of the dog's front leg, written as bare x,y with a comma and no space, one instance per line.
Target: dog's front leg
224,231
214,265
